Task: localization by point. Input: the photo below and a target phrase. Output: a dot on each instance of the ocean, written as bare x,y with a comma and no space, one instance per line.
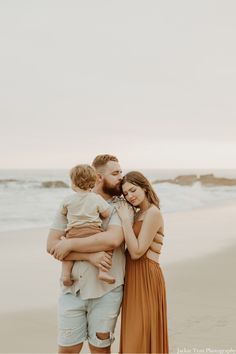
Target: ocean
25,203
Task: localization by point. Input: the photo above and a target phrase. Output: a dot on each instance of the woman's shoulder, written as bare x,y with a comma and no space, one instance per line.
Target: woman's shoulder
154,212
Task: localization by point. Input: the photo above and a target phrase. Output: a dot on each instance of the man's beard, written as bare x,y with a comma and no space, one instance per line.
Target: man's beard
111,190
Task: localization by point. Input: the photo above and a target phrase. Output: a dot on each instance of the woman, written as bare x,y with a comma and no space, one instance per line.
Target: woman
144,314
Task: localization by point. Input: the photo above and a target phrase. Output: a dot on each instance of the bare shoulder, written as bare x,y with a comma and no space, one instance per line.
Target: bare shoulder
153,210
154,213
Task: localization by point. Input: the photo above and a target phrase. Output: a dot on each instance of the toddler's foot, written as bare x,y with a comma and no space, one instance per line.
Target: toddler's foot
66,280
104,276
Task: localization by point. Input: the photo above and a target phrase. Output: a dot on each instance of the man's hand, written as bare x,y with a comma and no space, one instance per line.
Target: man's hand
61,249
101,260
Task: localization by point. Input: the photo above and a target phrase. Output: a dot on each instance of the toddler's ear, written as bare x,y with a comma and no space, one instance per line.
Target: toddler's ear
73,187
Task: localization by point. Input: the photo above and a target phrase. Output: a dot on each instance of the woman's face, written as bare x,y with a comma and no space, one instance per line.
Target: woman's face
135,195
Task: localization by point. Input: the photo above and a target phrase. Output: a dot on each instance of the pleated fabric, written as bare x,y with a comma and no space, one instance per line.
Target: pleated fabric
144,308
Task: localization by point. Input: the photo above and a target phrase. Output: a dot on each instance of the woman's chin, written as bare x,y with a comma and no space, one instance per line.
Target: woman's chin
135,204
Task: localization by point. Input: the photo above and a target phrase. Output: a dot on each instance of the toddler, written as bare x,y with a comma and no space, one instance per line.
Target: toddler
83,211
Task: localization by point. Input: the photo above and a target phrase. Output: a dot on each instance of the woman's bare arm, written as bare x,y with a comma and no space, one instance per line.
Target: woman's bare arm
152,222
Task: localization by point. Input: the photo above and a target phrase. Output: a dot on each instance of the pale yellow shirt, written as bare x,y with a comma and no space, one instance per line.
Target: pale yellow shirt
83,208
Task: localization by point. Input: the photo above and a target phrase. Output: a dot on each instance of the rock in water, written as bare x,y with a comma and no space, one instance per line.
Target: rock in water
54,184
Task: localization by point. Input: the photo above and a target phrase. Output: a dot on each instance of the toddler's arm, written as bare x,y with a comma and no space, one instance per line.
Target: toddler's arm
105,214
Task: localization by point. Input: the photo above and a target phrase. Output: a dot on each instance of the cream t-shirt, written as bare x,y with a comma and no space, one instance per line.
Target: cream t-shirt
83,208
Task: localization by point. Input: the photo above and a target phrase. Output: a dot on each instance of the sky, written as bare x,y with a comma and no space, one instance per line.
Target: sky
151,81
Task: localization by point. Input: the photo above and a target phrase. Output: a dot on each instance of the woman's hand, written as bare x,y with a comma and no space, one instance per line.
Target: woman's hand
101,260
123,210
61,249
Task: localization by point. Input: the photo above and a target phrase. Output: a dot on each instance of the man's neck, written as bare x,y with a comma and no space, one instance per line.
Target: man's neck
99,191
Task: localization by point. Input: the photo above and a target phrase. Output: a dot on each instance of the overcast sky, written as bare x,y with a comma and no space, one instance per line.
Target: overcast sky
153,82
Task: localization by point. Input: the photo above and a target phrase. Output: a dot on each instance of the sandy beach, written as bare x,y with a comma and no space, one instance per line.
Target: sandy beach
198,261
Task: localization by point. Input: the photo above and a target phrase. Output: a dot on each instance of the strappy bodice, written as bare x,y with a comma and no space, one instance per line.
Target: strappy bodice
155,248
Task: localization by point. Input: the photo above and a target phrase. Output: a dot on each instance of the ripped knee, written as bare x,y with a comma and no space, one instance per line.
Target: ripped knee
103,336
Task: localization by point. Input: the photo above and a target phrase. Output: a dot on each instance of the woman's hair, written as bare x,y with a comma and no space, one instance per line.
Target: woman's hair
138,179
83,176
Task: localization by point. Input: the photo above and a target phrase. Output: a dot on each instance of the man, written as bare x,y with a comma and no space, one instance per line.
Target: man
89,308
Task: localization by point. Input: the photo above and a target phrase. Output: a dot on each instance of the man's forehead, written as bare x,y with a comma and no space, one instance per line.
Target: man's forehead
112,166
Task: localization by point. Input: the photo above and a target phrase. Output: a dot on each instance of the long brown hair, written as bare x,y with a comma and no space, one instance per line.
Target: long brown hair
138,179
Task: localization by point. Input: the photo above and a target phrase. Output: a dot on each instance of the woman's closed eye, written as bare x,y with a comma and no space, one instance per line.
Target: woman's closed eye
131,190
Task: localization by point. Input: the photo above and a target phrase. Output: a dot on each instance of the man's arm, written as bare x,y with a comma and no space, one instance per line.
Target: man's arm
54,237
103,241
99,259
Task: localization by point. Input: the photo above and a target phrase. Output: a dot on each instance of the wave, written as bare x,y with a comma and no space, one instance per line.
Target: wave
31,205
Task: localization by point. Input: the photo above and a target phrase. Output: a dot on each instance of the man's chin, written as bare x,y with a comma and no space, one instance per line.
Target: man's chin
113,192
117,194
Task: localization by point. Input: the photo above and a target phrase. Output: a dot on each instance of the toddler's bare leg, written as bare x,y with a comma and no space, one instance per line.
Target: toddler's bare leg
66,273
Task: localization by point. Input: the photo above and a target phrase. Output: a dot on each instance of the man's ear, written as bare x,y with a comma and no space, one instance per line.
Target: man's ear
99,177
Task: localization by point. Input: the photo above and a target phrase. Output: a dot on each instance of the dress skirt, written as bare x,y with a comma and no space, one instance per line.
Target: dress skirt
144,309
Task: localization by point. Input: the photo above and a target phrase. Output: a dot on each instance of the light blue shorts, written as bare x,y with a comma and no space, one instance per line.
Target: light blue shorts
80,320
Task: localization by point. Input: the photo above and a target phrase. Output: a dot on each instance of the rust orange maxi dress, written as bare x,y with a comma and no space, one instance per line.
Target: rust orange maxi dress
144,310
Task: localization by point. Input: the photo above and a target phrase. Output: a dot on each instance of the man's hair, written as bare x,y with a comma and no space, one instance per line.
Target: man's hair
83,176
101,160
